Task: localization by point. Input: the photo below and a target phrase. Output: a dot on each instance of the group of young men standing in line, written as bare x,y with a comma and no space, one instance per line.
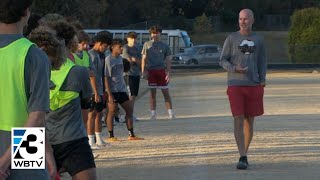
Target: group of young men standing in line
62,87
52,82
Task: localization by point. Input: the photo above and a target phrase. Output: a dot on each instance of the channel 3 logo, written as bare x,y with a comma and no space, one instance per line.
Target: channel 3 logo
28,148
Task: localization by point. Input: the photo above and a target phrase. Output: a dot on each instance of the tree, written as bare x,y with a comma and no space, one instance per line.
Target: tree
304,36
202,25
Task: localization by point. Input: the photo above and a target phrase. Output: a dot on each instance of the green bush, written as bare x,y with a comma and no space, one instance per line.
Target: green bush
202,24
304,36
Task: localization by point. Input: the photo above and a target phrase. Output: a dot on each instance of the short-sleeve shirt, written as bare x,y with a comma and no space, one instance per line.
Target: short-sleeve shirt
156,53
80,55
37,70
98,66
65,124
132,52
114,70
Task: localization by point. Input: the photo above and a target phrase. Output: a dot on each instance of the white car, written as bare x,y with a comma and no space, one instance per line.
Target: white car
200,54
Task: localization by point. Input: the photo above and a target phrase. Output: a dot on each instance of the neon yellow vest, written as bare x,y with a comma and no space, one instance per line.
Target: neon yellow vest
13,99
60,98
84,62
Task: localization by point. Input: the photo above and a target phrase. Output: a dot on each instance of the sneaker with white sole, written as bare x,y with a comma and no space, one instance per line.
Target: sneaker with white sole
153,117
95,147
135,119
172,116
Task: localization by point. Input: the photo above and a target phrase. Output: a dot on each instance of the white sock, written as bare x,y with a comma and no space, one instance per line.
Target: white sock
153,112
170,111
99,138
91,140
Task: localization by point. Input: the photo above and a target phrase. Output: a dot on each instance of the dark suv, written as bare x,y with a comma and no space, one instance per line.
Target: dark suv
200,54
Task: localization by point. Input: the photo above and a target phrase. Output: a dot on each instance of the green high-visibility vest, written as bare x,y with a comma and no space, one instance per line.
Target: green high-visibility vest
84,62
60,98
13,99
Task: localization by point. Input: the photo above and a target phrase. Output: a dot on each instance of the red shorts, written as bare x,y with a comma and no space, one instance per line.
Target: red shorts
157,78
246,100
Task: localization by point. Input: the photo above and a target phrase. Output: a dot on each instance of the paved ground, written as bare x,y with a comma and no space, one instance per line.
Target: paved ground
199,144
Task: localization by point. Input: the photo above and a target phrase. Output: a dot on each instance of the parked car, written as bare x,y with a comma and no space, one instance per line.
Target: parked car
200,54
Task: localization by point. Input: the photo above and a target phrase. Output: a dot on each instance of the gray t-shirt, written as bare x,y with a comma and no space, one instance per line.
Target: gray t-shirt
80,55
132,52
156,53
114,69
98,66
65,124
247,51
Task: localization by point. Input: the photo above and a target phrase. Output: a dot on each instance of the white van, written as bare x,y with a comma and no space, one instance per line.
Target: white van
177,39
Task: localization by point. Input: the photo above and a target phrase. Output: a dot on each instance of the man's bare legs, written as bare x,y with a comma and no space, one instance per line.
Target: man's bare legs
112,107
98,129
243,133
85,117
153,103
90,127
89,174
239,134
128,108
248,131
167,98
168,102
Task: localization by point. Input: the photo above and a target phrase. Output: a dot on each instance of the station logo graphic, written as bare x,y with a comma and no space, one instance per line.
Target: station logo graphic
28,148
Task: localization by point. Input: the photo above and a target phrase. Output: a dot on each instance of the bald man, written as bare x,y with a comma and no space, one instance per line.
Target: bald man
243,57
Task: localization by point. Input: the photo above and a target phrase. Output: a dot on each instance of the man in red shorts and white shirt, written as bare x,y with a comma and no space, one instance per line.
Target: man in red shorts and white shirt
156,59
243,56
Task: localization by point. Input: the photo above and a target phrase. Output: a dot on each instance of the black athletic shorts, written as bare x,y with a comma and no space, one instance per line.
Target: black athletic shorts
120,97
86,105
134,82
74,156
97,106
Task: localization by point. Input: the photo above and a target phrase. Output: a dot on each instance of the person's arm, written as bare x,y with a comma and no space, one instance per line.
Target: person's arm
86,89
131,59
5,161
144,60
168,63
107,80
93,81
262,63
226,55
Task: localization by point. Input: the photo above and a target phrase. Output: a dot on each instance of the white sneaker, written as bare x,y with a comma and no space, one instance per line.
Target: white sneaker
135,119
153,117
103,144
172,116
95,147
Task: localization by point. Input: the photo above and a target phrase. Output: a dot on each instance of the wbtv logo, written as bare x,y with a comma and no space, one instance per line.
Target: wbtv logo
28,148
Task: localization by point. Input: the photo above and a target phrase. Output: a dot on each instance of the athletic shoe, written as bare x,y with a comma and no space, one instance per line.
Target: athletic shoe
104,144
112,139
243,163
172,116
153,117
134,138
95,147
135,119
